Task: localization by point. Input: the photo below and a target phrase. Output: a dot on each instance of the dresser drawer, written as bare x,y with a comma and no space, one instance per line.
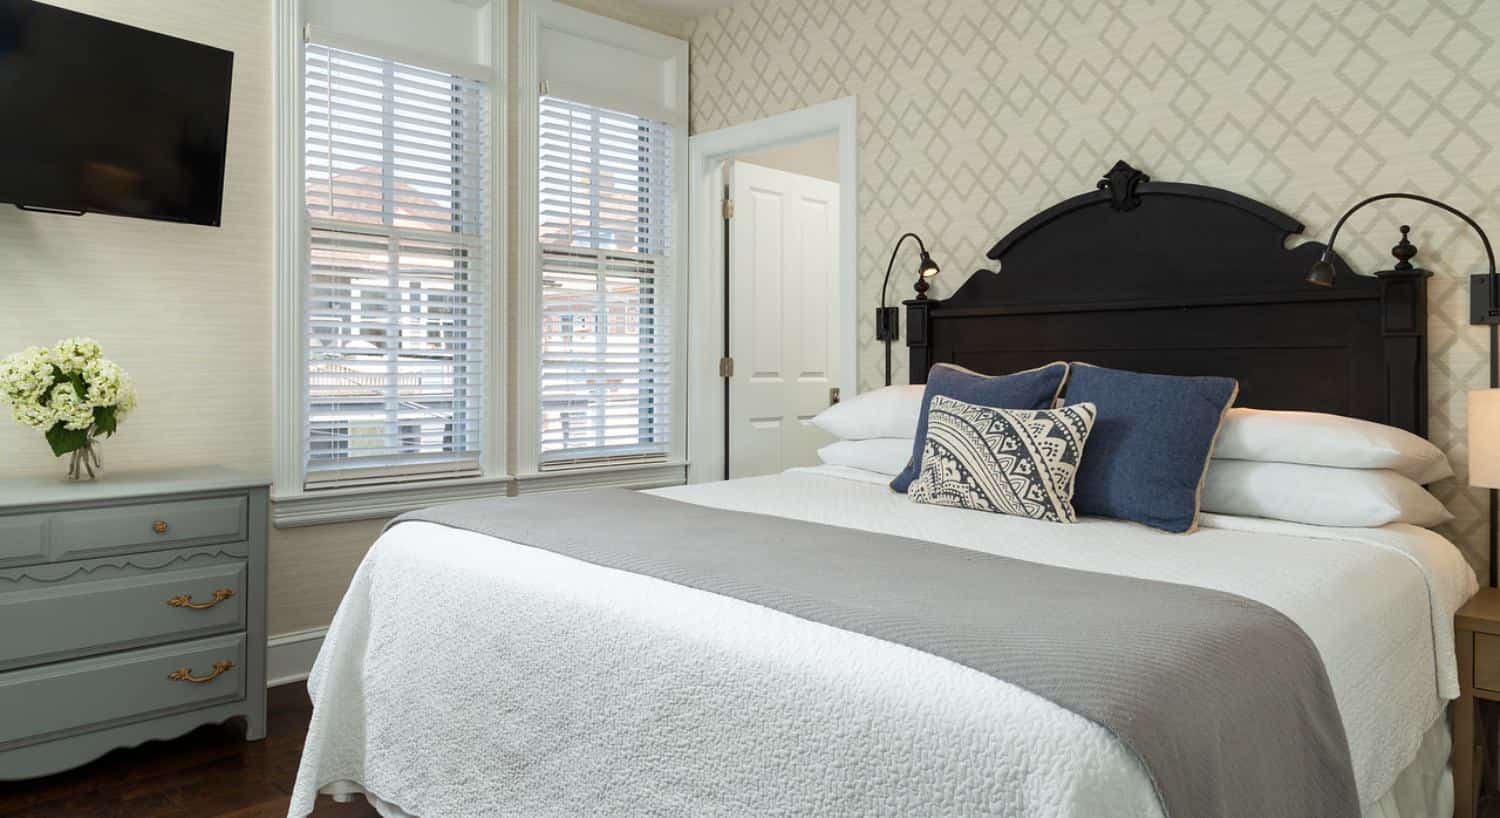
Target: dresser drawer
165,524
1487,662
23,539
51,701
80,618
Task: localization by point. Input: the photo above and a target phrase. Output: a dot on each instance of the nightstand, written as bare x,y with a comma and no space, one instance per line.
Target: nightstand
132,608
1478,634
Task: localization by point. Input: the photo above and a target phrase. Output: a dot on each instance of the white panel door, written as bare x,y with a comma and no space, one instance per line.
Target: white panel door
783,297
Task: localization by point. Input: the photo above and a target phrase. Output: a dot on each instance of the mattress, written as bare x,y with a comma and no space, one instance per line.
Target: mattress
464,675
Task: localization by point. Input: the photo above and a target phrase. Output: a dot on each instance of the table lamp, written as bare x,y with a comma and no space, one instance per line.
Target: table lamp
1484,454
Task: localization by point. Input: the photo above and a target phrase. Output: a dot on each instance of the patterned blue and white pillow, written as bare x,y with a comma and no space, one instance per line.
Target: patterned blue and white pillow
1007,461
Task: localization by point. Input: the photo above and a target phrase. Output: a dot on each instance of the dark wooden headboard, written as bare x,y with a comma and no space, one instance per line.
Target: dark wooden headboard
1186,279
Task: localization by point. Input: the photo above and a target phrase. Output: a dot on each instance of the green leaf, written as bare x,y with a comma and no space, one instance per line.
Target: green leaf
64,440
105,419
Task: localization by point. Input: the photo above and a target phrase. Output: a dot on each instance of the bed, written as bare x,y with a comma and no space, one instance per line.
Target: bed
466,674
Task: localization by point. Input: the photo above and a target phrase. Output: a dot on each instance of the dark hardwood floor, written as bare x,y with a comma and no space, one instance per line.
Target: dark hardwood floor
208,773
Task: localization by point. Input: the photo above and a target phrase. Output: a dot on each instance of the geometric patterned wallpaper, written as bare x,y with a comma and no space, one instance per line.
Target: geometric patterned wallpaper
974,114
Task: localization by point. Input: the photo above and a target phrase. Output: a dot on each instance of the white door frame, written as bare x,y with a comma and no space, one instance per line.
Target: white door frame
707,153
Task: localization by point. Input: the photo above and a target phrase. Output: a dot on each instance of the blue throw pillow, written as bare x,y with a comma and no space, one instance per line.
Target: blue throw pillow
1032,389
1149,448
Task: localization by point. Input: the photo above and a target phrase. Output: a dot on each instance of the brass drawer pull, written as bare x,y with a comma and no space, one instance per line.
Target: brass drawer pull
160,526
185,674
186,600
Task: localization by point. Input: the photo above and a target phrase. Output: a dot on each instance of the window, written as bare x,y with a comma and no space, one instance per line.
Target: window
329,441
397,250
605,248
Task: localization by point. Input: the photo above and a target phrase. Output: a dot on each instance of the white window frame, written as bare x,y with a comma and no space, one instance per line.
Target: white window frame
535,16
293,504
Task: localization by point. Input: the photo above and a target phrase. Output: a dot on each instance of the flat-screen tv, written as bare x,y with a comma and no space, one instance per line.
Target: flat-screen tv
101,117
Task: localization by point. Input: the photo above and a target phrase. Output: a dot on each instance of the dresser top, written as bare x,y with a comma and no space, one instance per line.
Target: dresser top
120,485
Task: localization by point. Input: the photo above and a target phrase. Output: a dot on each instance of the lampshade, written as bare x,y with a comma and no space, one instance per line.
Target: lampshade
928,268
1484,438
1322,273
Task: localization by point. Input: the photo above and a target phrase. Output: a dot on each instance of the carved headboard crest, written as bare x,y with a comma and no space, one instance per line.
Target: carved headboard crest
1121,182
1187,279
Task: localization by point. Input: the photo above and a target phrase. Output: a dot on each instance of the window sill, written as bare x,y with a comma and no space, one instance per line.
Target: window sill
373,502
631,476
377,502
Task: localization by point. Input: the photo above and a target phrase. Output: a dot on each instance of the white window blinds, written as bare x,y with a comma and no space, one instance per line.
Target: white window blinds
605,247
397,241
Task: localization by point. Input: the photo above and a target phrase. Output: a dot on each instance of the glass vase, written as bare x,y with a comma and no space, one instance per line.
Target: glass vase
83,460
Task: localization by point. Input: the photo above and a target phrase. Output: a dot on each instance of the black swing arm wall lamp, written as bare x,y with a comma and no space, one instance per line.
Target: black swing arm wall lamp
1484,295
1484,405
888,319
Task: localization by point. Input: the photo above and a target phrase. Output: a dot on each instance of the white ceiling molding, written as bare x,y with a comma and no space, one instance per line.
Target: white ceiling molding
688,8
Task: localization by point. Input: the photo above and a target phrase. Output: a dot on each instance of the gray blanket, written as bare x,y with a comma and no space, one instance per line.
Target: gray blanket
1225,701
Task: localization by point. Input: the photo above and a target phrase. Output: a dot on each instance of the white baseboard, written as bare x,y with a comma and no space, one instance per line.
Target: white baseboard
289,656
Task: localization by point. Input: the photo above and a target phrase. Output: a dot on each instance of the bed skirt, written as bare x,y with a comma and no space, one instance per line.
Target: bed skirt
1423,790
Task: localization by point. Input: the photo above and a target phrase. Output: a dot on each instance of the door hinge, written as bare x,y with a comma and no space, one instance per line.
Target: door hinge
728,208
833,396
541,88
726,367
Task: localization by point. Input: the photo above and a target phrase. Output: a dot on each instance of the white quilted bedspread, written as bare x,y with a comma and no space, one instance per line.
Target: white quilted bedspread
467,676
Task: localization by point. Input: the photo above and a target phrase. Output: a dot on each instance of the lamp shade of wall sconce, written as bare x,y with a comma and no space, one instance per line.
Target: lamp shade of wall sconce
928,268
1322,273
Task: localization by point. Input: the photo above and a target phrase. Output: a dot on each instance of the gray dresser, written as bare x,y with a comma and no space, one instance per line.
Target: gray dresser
131,608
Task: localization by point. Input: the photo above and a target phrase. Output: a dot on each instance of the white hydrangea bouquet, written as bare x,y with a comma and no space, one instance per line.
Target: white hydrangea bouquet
72,393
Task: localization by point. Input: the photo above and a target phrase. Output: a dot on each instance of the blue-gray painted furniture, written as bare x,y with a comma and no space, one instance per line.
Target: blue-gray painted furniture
132,608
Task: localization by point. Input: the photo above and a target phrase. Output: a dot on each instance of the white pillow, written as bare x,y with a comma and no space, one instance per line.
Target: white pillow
1318,495
1317,439
879,455
890,411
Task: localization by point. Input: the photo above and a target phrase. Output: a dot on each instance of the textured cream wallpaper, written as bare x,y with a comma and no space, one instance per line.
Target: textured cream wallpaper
186,310
974,114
